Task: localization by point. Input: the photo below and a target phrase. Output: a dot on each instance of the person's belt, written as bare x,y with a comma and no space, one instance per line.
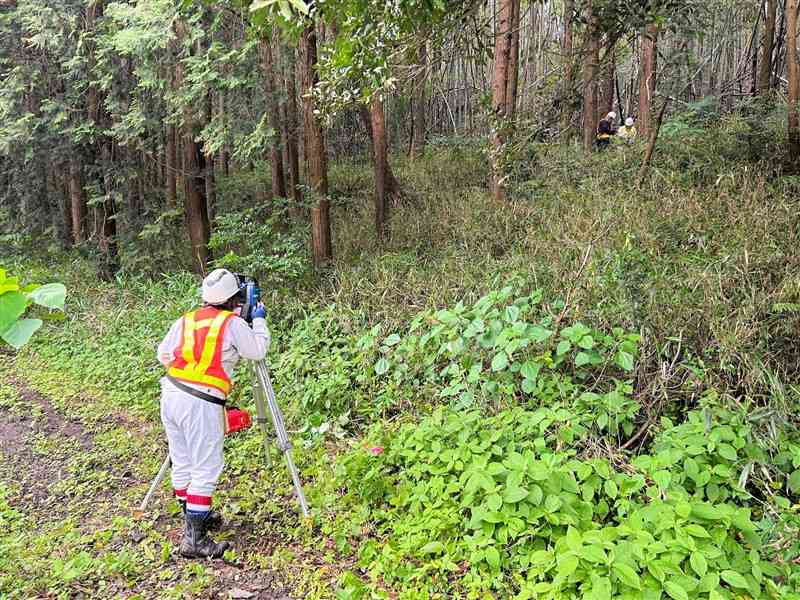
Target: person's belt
194,392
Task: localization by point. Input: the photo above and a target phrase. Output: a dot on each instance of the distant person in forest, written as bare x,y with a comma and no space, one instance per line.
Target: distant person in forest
627,132
200,352
605,131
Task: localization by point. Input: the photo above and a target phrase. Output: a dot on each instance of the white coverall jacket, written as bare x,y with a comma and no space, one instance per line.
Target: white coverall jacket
195,428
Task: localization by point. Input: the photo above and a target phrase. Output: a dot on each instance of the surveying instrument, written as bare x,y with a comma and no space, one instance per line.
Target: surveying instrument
264,396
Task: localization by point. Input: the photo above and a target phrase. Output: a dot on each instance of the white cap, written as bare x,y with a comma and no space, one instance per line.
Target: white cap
629,122
612,115
219,286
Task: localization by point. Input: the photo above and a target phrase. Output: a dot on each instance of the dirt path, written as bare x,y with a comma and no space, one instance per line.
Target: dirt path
59,468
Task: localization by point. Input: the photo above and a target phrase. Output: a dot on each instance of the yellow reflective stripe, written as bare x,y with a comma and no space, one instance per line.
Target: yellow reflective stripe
210,344
201,378
188,338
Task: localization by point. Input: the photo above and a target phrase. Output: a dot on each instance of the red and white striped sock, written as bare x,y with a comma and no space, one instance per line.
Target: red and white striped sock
198,504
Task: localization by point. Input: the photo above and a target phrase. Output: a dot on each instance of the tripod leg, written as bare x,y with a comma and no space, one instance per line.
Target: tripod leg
261,419
156,482
262,376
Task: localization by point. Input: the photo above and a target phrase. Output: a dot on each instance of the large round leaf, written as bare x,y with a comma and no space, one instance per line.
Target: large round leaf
20,332
50,296
12,305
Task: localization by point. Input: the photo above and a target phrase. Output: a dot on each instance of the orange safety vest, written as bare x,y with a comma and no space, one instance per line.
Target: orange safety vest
198,359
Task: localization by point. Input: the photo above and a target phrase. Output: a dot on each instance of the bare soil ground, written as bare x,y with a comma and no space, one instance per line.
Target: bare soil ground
39,446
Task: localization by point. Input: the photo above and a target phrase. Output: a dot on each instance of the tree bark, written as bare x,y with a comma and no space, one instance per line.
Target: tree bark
794,79
567,100
651,144
392,185
379,148
273,112
194,184
767,43
418,104
500,73
647,78
315,155
591,59
172,167
77,200
104,213
289,110
513,63
606,105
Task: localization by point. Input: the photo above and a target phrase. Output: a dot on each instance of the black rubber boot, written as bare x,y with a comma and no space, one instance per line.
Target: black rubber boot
196,543
213,520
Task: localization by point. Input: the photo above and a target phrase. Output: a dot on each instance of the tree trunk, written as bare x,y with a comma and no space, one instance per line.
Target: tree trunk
316,159
273,112
379,149
651,144
289,110
591,59
512,82
77,200
606,105
500,74
647,78
104,213
418,104
172,167
392,185
209,177
194,181
794,80
567,99
195,202
768,41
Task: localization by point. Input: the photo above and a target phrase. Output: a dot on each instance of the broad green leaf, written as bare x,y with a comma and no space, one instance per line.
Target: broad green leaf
698,563
625,360
587,342
20,332
610,488
582,359
626,575
697,531
734,579
794,481
51,295
382,366
675,591
500,361
432,548
392,340
601,589
12,305
493,557
530,370
567,565
563,347
513,495
727,451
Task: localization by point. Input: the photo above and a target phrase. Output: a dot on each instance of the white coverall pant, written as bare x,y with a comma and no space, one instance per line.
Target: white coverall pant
195,430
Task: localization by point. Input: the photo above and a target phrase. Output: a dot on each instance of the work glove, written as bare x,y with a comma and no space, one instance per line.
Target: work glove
236,419
260,311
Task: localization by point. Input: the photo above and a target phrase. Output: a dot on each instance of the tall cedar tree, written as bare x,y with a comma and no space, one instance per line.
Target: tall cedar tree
794,82
647,78
315,154
500,74
591,59
767,43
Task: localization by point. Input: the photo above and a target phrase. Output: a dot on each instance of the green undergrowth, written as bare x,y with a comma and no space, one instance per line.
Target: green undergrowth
587,392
